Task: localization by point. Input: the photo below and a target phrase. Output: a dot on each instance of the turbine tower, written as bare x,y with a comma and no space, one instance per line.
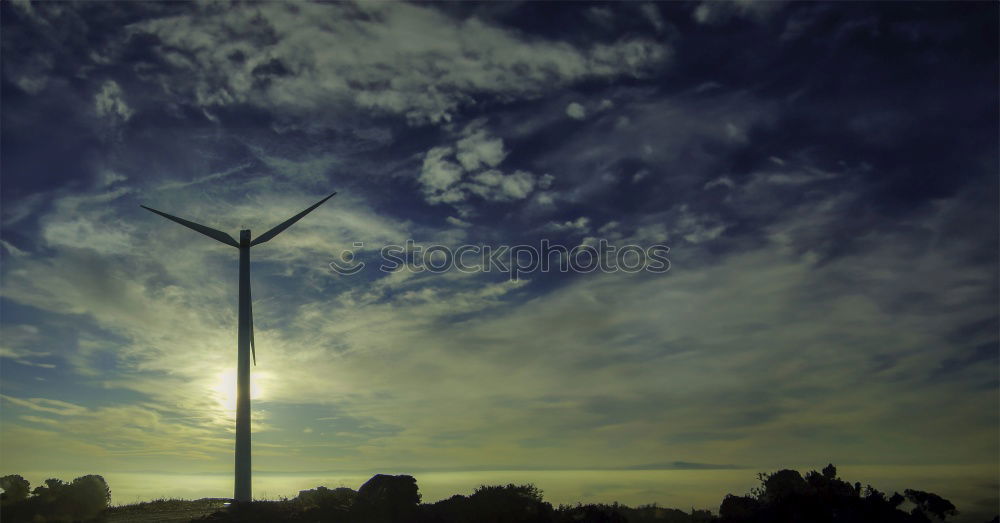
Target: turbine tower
241,490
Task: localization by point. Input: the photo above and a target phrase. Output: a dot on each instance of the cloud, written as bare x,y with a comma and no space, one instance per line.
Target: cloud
697,228
275,163
652,14
306,169
60,408
20,344
735,133
580,225
88,222
805,355
713,13
281,58
616,147
108,177
32,83
457,222
439,173
110,103
24,356
478,149
495,185
722,181
11,249
682,465
139,430
451,174
21,209
576,111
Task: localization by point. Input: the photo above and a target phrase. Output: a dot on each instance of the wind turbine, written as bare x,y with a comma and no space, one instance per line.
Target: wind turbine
241,490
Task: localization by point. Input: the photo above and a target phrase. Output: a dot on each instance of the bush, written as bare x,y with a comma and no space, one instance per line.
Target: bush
341,498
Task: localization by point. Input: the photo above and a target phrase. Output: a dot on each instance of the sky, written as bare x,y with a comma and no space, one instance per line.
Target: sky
825,177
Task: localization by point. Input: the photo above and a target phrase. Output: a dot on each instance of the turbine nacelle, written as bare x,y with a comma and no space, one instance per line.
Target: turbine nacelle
245,239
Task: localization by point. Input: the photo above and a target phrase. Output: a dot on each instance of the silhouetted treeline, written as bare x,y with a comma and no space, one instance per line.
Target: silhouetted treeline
83,499
784,496
396,499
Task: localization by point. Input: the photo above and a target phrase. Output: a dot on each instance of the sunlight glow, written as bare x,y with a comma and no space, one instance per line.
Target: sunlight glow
225,390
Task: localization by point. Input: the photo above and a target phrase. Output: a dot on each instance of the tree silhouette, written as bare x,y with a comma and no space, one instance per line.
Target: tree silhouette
387,498
932,504
738,508
87,496
15,489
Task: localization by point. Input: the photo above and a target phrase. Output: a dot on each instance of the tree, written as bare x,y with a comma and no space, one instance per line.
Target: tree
783,484
15,489
930,503
387,498
87,496
830,472
738,507
510,503
49,492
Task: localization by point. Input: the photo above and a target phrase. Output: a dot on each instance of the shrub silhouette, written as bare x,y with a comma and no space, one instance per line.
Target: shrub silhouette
492,504
341,498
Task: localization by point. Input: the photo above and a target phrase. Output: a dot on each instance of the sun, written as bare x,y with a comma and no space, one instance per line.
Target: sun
225,390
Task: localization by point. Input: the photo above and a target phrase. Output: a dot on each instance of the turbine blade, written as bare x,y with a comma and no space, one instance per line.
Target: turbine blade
253,351
287,223
207,231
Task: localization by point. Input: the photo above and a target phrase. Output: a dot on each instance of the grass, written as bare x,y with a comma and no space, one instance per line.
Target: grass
164,510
